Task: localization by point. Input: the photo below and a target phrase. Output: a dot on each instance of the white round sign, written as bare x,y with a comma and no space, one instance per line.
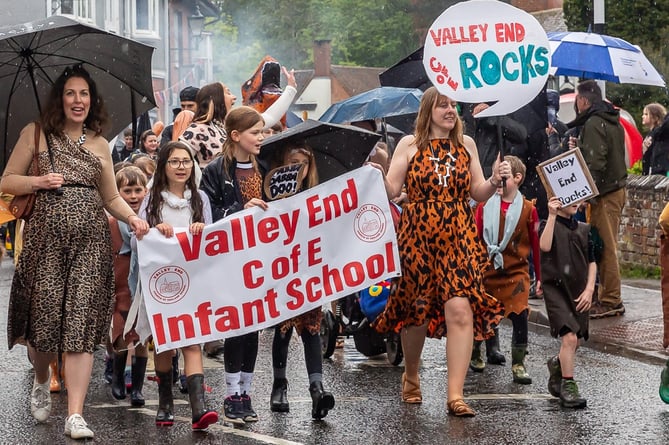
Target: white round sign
487,51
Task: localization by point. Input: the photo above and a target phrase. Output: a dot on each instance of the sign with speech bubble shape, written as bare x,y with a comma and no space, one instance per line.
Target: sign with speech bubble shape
283,181
567,176
487,51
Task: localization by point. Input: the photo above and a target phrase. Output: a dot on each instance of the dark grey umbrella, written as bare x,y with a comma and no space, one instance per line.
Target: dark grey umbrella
337,148
34,54
407,73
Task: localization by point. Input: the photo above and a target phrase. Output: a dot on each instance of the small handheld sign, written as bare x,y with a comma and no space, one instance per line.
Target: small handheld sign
567,176
284,181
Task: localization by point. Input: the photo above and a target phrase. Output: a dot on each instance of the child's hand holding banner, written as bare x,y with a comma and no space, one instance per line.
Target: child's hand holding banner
257,268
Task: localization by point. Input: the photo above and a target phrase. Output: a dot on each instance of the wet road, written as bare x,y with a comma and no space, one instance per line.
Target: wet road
621,388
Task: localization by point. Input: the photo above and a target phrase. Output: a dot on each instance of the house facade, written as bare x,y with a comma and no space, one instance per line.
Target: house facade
182,54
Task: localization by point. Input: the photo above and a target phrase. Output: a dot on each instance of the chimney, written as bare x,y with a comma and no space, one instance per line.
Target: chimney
322,58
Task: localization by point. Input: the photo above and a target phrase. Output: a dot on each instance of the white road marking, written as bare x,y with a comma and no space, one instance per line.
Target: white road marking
215,427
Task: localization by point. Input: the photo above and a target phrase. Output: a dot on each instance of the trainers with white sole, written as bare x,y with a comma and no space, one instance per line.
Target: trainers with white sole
40,399
77,428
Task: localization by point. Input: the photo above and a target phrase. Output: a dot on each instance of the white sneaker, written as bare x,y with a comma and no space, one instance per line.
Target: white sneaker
40,399
77,428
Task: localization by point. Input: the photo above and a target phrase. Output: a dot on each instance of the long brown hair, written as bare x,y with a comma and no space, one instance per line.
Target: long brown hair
53,114
424,121
160,183
210,103
239,119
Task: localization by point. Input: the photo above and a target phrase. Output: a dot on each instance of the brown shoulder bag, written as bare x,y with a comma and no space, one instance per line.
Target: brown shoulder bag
22,206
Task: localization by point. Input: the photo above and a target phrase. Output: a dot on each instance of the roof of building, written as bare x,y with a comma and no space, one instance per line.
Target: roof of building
551,19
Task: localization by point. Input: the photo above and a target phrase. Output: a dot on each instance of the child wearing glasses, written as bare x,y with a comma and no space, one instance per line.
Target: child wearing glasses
233,181
175,201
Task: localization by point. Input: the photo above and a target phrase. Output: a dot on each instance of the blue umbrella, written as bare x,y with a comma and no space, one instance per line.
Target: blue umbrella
589,55
380,102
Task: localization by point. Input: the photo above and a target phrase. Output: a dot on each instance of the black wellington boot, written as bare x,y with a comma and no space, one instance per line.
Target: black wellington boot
322,400
476,363
202,417
495,357
165,414
137,374
118,375
278,401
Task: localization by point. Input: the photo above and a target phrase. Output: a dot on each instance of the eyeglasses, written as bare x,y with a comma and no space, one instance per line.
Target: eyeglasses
178,163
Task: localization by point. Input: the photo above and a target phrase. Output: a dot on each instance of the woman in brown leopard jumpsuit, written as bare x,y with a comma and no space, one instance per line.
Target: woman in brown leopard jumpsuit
62,293
443,261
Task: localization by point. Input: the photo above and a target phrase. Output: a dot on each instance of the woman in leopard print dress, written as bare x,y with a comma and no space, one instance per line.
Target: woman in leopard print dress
443,261
62,293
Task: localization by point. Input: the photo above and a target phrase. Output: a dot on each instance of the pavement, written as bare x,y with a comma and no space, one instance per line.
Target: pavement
638,333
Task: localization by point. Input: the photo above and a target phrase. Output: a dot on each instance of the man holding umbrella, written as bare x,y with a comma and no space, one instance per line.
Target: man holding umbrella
602,143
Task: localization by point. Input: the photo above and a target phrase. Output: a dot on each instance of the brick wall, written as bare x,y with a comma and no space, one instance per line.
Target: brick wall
639,232
536,5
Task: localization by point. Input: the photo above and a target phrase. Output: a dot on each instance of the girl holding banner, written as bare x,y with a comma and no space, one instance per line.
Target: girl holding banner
233,181
307,325
175,201
442,258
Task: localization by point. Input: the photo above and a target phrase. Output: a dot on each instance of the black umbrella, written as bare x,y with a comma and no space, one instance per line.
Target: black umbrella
34,54
337,148
407,73
142,124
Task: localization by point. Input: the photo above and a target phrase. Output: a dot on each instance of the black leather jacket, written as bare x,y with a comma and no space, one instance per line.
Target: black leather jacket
222,189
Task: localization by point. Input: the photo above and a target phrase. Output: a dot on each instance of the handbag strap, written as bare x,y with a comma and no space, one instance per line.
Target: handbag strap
38,130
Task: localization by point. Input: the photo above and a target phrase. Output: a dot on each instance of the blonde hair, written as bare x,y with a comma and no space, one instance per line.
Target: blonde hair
130,175
517,166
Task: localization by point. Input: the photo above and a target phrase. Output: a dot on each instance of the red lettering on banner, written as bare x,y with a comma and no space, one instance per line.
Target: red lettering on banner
247,309
313,292
228,320
332,277
268,230
186,322
354,273
314,295
390,258
280,267
331,280
250,234
202,314
295,257
270,299
290,225
247,272
160,329
313,249
191,251
219,243
509,32
237,238
294,293
332,205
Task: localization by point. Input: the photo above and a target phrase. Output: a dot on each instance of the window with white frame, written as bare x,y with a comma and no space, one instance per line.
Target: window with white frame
146,16
112,21
80,9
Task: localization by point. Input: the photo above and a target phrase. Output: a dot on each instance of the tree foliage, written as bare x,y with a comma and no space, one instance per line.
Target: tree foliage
362,32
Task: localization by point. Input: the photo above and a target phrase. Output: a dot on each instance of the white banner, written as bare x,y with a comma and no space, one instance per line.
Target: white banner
257,268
